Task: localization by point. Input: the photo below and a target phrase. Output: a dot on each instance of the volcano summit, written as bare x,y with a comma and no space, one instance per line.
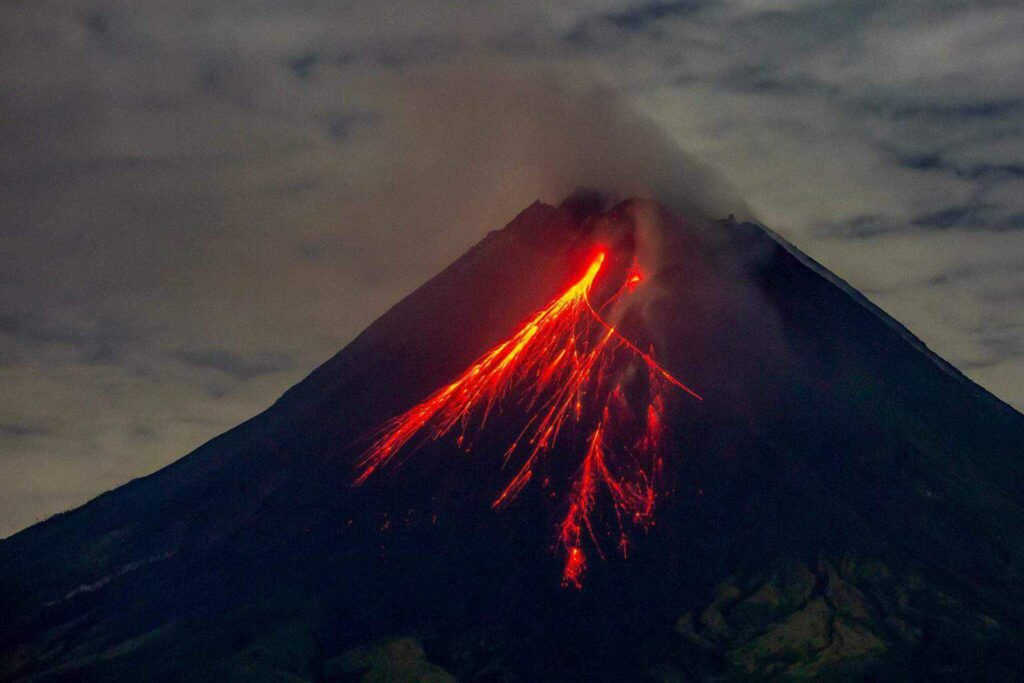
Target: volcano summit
608,443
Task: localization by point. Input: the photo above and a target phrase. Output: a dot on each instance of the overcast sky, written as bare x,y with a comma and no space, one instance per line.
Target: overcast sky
202,201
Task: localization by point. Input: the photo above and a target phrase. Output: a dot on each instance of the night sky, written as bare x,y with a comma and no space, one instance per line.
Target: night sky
201,202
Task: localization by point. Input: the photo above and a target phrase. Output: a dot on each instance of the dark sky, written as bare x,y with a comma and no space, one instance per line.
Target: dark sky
200,202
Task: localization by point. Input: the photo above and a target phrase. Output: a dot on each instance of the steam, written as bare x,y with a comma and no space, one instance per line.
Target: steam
547,133
483,141
470,145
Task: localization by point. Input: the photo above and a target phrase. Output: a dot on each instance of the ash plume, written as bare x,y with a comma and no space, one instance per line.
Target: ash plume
491,139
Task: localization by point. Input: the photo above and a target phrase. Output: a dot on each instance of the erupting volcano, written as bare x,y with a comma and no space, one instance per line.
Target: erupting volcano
831,499
565,363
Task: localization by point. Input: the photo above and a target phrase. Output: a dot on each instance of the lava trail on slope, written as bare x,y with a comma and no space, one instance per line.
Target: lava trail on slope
567,369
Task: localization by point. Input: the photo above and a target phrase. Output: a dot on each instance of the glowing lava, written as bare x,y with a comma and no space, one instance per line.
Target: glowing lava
566,364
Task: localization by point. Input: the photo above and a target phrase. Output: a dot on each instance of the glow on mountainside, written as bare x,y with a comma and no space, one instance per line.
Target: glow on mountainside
562,366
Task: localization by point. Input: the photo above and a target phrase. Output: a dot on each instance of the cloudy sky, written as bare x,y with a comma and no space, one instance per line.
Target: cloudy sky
200,202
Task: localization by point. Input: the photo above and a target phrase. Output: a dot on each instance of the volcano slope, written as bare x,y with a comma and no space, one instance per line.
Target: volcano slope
841,504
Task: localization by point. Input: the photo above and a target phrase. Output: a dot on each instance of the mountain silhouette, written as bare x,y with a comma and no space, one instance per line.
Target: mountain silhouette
842,503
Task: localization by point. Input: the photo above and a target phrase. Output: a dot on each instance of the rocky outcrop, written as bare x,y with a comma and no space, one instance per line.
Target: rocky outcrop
397,661
839,619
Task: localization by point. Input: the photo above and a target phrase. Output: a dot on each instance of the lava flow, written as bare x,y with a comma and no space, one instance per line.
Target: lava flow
567,364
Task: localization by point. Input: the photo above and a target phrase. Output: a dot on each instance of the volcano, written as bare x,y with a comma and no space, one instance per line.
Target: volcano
610,442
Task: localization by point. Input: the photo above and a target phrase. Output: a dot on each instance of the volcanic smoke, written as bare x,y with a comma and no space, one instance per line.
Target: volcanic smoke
566,364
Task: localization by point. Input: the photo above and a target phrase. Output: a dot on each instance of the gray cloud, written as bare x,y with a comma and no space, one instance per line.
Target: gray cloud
234,365
341,125
593,31
636,18
198,207
958,112
21,431
91,340
935,161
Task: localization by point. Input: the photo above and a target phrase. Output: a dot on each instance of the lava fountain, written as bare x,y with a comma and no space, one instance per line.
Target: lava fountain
566,365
